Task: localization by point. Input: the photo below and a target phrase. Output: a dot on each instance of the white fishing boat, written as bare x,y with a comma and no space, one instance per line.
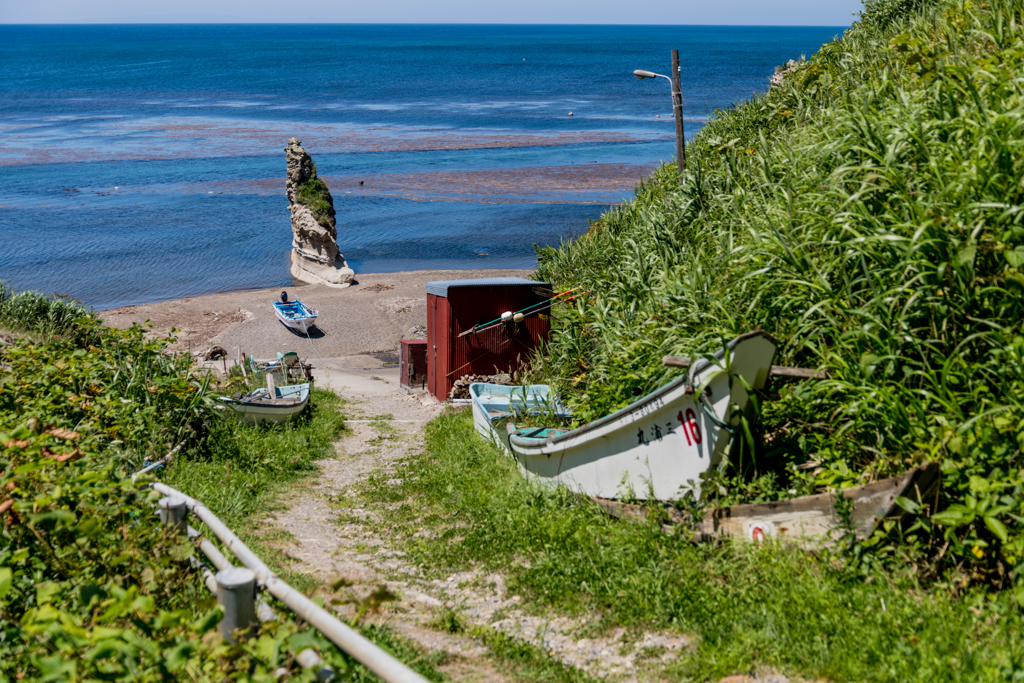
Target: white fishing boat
658,446
295,314
270,404
494,403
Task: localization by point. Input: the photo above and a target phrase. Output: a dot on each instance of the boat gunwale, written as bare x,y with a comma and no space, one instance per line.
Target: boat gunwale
310,313
303,388
478,401
696,367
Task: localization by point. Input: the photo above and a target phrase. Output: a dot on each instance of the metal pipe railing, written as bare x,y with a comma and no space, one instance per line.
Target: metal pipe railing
263,611
359,648
166,460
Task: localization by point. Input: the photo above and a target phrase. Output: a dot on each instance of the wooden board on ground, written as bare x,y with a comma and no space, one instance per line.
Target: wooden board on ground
810,521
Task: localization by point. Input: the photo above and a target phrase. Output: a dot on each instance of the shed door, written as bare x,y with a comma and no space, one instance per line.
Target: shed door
432,340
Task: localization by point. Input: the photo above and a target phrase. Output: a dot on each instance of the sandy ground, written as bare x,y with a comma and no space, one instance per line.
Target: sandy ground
370,317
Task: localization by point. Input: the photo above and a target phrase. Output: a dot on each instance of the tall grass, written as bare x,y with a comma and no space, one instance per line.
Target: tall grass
91,588
243,463
40,313
868,214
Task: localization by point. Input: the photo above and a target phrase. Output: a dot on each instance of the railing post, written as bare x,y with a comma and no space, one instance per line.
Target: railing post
236,594
173,512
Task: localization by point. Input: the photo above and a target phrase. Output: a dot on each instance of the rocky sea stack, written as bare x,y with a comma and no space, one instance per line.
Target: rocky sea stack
315,255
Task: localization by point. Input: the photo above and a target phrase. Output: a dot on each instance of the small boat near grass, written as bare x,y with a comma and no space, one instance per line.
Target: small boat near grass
270,404
810,522
658,446
497,403
285,366
295,314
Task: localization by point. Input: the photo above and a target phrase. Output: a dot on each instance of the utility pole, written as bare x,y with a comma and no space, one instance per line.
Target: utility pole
677,109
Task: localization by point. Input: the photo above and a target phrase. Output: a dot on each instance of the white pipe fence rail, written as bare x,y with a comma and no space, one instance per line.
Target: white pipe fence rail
347,639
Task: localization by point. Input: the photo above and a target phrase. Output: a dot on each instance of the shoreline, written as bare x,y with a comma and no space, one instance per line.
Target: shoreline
369,317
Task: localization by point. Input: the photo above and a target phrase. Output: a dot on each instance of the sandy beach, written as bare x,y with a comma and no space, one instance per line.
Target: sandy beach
366,318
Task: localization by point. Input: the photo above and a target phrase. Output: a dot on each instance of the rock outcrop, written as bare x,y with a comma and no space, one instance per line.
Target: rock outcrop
315,255
782,71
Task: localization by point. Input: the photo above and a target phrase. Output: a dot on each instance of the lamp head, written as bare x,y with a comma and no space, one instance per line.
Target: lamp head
641,74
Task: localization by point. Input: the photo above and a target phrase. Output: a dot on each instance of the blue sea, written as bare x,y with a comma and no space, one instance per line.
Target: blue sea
141,163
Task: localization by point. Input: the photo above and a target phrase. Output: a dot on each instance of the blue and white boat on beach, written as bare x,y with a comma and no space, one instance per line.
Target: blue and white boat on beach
295,314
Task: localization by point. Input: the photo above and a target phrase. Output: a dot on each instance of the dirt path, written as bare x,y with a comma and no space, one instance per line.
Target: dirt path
339,541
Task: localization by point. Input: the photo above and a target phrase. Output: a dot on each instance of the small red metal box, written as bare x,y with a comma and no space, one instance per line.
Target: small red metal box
413,366
454,306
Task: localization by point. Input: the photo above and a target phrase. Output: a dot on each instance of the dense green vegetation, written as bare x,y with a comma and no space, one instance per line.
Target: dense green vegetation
868,214
37,313
745,607
91,587
314,194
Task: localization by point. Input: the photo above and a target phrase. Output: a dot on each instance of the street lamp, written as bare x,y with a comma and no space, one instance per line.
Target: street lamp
677,108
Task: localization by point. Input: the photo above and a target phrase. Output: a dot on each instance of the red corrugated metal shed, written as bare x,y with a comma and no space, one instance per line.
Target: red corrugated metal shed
454,306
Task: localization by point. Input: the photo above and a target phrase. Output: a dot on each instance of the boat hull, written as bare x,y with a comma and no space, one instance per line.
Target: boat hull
295,315
254,412
493,403
658,447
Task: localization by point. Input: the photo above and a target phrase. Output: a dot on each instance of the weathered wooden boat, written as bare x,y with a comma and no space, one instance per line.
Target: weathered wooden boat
286,366
494,403
295,314
270,404
810,521
661,444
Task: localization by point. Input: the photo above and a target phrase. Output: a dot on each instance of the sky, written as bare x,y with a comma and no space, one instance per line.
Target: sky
670,12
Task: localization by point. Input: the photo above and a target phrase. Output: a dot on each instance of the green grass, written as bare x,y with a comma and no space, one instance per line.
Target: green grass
424,663
745,607
244,465
868,215
35,312
246,472
527,661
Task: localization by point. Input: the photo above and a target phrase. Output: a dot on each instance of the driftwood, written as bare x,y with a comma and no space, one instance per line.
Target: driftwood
809,521
776,371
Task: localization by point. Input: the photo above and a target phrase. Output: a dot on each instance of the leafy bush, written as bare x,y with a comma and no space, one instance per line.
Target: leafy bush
91,586
867,213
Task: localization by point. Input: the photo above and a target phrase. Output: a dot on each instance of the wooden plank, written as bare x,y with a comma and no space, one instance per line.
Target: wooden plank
799,373
812,520
809,521
776,371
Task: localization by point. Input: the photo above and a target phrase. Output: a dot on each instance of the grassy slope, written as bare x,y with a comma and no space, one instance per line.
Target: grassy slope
868,214
86,588
747,608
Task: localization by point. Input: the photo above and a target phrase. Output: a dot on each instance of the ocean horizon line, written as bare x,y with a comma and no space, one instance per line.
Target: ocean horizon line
306,22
